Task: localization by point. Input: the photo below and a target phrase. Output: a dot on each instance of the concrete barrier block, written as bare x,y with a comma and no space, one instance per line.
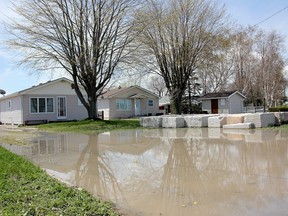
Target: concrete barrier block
197,121
173,122
217,121
281,117
151,122
260,119
235,118
240,126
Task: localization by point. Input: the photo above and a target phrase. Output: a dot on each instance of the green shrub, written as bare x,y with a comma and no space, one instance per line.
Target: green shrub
279,109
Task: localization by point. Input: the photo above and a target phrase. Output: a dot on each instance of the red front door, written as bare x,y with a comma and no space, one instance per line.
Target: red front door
214,106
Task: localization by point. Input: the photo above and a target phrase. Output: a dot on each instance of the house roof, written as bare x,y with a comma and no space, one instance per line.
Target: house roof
217,95
114,92
35,87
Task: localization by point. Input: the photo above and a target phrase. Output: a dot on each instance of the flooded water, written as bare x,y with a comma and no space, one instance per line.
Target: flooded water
173,171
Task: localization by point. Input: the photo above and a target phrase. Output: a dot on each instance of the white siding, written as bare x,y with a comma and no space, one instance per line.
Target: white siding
74,111
61,87
143,96
236,104
223,106
11,111
103,105
206,105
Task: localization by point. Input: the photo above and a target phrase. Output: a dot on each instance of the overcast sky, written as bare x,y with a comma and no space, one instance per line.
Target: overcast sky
245,12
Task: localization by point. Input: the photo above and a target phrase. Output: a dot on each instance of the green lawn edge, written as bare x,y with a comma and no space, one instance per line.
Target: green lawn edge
28,190
91,126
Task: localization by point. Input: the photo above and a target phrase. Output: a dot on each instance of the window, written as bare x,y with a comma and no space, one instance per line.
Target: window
41,105
150,102
50,105
10,104
123,104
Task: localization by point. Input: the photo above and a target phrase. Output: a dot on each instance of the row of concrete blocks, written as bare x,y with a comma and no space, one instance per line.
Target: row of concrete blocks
247,120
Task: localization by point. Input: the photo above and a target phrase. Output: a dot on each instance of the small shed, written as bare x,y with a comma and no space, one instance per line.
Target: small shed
229,102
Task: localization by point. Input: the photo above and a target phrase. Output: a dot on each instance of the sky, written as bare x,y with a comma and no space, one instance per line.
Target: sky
244,12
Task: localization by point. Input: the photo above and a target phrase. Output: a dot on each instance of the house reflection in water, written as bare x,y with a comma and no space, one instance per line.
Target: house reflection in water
175,171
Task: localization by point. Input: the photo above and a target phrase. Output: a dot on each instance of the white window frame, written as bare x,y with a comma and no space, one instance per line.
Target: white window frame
127,103
46,106
148,102
58,107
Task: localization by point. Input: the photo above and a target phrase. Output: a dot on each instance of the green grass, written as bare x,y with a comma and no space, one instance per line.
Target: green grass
27,190
90,126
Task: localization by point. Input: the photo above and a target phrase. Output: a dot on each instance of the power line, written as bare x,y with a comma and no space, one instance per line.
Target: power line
271,16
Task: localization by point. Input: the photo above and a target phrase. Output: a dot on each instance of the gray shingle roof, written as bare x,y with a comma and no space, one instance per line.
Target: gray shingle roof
224,94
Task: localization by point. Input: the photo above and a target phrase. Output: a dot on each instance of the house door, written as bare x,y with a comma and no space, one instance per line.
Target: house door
137,107
62,108
214,106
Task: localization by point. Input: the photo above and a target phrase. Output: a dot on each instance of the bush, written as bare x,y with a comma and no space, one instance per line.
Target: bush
279,109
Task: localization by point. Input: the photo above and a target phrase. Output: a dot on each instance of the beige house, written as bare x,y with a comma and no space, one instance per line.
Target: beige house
223,102
127,102
51,101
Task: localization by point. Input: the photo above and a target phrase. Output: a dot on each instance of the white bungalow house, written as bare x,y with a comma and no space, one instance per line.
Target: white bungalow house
127,102
229,102
51,101
57,101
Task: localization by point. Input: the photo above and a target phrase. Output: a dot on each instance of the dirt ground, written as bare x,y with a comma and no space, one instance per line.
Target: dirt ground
17,135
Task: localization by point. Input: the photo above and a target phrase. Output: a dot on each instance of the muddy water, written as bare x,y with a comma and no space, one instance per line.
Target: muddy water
174,172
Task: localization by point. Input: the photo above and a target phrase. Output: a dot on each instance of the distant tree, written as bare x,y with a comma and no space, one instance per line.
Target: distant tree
259,66
88,38
244,64
157,85
217,71
270,69
176,34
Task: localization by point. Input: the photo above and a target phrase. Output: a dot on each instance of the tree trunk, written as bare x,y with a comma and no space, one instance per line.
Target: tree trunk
93,109
176,103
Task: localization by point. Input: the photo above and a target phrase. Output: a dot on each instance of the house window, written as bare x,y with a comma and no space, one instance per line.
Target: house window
150,102
123,104
50,105
10,104
41,105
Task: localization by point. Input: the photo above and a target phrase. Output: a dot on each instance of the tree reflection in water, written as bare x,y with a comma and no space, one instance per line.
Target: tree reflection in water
93,172
174,172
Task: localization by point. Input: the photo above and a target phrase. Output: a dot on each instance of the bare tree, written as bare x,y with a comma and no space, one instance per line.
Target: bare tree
88,38
259,66
217,71
245,60
157,85
178,33
270,73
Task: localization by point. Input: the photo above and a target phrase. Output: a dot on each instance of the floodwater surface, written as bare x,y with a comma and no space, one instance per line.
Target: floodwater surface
173,171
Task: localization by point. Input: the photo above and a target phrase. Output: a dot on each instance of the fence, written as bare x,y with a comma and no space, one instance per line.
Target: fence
253,109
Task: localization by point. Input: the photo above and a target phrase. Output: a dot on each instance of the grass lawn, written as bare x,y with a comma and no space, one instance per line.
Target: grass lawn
90,126
28,190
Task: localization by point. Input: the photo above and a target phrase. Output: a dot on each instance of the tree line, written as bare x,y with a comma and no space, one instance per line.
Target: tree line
189,44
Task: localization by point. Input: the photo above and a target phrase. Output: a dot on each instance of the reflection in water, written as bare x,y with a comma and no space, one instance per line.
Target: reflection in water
174,171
